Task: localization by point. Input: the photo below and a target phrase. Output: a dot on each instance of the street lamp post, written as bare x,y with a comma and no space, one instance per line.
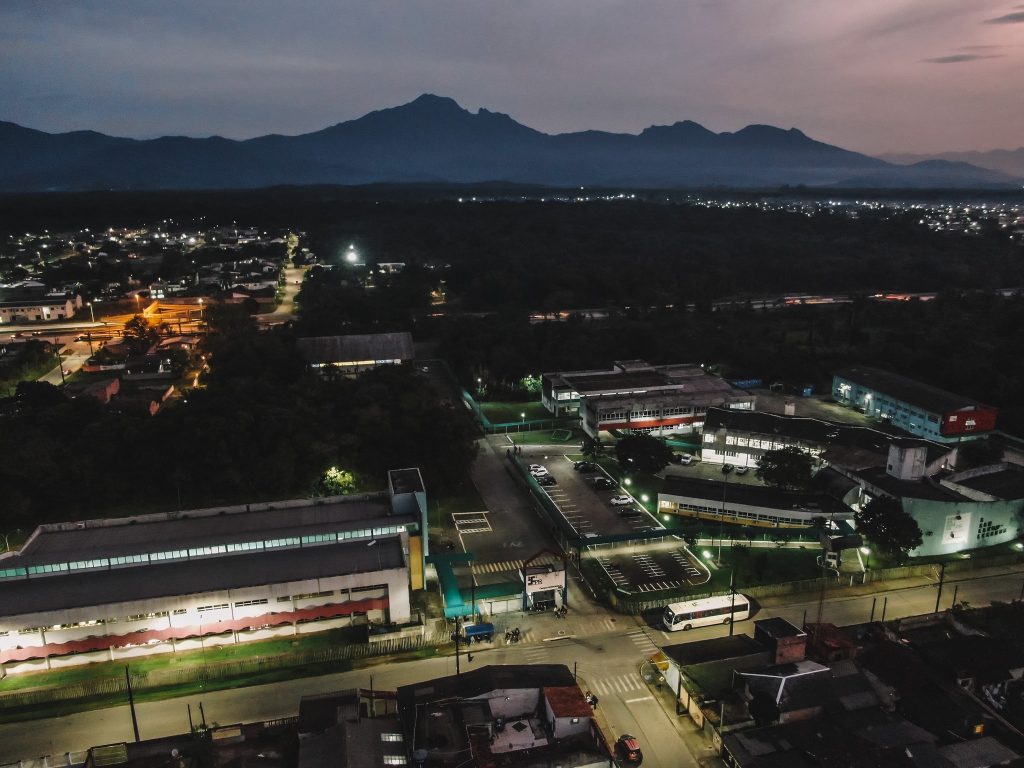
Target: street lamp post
721,517
92,316
7,536
200,310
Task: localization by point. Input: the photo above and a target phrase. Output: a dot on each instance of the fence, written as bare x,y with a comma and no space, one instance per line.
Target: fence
50,761
952,567
225,670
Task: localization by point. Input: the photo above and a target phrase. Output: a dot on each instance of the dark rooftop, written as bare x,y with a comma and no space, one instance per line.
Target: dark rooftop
1007,483
356,348
483,680
91,539
405,480
909,391
715,649
146,582
778,627
752,495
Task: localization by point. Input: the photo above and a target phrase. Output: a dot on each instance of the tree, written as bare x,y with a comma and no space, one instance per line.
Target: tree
884,522
787,468
139,335
591,448
643,453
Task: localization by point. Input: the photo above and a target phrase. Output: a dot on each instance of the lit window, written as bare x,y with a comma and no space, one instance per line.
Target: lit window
391,737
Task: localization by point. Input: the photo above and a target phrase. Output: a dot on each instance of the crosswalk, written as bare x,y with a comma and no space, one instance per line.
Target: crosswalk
624,683
510,565
642,641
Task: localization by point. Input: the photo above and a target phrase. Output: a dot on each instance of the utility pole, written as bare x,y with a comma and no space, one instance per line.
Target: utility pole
732,589
458,631
131,705
942,578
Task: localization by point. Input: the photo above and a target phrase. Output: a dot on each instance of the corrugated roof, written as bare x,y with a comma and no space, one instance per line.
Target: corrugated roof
93,539
187,577
908,390
356,347
715,649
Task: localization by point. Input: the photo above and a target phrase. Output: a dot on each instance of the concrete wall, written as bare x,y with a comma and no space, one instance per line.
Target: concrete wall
949,527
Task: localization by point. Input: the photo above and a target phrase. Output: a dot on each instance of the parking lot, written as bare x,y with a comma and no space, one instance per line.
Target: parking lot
589,509
653,568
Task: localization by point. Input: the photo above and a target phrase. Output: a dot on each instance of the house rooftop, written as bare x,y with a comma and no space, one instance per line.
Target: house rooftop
714,649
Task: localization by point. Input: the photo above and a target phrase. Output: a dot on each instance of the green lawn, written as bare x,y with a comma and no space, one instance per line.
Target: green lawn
164,661
504,412
568,437
464,498
639,484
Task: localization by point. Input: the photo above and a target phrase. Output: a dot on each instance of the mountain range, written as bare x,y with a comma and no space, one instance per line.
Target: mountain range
433,139
1008,161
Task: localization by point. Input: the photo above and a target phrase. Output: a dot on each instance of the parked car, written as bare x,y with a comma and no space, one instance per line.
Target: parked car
603,482
546,480
621,500
727,468
627,749
630,512
686,459
537,466
584,466
539,472
742,470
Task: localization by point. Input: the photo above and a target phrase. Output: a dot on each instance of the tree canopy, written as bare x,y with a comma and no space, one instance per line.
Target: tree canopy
642,453
887,526
787,468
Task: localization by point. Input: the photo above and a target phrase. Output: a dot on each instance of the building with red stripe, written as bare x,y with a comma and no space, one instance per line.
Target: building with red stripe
100,590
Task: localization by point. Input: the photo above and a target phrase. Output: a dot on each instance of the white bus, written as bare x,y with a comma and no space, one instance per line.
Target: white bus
710,610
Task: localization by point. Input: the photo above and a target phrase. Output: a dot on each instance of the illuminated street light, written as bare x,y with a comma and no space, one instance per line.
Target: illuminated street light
708,555
92,317
645,498
627,481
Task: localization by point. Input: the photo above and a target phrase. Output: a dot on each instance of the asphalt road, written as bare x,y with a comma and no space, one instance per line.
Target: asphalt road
607,650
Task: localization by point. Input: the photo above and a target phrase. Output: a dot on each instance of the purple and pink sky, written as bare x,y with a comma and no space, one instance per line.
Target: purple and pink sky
870,75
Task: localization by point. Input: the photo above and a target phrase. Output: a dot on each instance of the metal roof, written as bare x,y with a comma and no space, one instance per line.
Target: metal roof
931,399
91,539
187,577
356,347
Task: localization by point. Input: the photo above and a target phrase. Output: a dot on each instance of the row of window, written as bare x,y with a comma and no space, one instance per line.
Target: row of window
182,611
185,554
761,517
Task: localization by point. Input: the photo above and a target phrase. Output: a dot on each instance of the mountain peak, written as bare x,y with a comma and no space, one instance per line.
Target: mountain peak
434,103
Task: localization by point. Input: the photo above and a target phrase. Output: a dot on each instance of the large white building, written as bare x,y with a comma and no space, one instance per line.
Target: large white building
635,396
39,309
100,590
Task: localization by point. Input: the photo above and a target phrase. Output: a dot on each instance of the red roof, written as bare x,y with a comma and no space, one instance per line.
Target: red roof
567,701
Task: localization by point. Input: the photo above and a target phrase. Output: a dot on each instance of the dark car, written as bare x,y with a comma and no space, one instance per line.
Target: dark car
603,482
546,480
627,749
585,466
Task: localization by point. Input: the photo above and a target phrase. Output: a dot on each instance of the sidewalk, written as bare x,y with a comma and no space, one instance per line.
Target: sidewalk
892,585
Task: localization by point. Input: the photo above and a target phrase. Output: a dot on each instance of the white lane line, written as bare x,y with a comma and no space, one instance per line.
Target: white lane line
640,698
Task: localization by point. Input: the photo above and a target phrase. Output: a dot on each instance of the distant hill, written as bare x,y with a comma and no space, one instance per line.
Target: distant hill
433,139
1008,161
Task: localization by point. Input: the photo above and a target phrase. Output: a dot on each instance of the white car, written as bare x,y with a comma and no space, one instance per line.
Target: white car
686,459
620,501
537,466
742,470
539,472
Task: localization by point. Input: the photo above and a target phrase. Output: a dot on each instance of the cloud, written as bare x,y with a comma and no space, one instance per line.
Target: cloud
960,58
1010,18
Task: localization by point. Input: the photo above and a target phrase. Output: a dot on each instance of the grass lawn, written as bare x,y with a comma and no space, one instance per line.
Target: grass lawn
639,484
568,437
505,413
25,373
464,498
164,661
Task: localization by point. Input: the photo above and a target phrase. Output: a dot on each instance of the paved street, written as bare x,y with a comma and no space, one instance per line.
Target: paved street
607,650
293,277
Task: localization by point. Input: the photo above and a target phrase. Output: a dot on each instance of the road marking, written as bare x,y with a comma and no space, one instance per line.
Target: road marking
640,698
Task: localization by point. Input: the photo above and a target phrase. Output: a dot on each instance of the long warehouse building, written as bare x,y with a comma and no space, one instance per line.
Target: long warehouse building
100,590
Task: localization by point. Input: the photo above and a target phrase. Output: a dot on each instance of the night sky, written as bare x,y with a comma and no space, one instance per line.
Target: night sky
869,75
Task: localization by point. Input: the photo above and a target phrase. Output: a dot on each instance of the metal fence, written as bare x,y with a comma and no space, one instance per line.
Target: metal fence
202,673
